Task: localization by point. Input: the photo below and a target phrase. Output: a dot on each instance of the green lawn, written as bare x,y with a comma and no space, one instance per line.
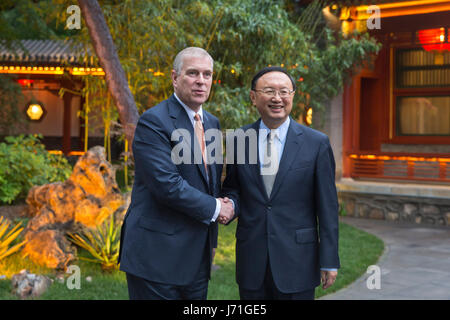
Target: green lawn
358,250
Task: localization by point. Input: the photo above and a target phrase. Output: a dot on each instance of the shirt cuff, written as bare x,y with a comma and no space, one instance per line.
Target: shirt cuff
328,269
216,213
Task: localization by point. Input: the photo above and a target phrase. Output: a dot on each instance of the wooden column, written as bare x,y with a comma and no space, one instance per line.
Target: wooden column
350,130
81,125
67,122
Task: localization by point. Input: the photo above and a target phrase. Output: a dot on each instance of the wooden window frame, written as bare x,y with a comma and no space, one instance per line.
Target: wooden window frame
412,92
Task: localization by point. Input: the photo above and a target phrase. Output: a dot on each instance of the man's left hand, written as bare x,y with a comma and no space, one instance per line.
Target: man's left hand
328,278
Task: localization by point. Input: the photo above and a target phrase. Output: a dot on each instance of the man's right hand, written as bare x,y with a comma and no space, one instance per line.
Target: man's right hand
226,211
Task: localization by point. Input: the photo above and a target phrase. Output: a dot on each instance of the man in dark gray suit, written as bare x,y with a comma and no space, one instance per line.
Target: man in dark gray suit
170,228
286,202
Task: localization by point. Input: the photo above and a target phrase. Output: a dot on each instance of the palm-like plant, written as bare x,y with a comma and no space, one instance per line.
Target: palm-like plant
102,243
7,237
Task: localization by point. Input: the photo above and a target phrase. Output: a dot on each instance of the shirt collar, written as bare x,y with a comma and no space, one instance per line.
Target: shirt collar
190,112
282,130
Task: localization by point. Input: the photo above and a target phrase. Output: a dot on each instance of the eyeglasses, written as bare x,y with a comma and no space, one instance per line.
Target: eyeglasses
284,93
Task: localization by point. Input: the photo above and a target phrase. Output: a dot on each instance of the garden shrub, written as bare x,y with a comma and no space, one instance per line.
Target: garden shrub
24,162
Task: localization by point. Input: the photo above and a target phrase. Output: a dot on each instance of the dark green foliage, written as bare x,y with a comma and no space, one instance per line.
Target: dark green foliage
11,117
24,162
242,36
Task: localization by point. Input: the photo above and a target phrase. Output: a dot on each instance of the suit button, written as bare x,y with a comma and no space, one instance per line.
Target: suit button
269,207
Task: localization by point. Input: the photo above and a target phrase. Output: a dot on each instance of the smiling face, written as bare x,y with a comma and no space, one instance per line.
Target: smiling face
274,110
193,83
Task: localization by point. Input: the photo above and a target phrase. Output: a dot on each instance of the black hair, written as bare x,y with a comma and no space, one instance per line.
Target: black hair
271,69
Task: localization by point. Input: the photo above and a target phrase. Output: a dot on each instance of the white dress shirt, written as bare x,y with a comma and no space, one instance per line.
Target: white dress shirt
279,140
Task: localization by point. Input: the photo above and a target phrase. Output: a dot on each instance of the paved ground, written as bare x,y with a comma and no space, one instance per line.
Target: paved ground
415,264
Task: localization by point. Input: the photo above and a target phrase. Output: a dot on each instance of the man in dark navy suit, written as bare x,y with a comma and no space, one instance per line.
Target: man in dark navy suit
170,228
285,202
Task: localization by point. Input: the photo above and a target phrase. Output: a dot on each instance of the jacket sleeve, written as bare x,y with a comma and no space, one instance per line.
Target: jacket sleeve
231,186
327,207
152,154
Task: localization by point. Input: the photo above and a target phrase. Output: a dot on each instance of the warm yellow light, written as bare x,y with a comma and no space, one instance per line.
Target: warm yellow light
30,70
87,71
71,153
395,9
35,111
400,158
309,115
76,153
55,151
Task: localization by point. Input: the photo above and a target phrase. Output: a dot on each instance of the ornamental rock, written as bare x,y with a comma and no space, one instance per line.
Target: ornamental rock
85,200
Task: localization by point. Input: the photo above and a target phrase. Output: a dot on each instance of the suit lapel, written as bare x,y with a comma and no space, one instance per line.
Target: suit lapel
207,124
256,168
293,144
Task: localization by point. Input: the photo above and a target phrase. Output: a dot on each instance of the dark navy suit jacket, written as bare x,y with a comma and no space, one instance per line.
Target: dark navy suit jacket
167,227
296,228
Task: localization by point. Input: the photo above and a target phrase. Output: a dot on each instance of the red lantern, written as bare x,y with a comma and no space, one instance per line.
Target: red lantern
434,39
25,82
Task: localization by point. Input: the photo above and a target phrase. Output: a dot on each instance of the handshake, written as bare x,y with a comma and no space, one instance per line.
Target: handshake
226,211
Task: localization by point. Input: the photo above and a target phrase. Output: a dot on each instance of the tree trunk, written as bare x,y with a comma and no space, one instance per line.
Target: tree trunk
116,79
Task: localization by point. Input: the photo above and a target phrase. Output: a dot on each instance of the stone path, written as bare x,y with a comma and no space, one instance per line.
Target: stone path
415,264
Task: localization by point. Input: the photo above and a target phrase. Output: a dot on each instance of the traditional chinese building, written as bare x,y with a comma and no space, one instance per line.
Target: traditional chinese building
49,73
390,129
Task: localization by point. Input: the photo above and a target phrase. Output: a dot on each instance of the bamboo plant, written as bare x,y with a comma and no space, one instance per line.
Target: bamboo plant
102,243
7,237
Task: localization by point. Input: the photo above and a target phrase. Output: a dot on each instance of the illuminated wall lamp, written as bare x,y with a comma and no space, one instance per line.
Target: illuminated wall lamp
35,111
